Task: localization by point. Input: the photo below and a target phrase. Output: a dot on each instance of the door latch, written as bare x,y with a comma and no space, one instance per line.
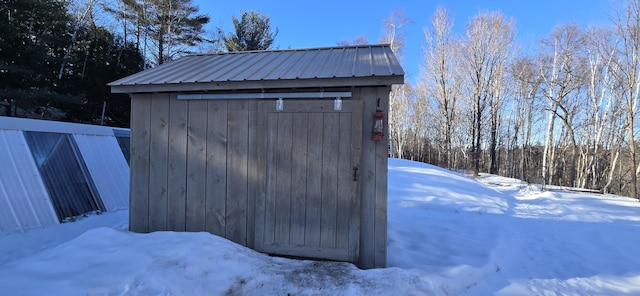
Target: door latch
355,173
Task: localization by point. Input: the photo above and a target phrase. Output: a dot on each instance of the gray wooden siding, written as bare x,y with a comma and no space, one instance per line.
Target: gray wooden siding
190,166
177,165
139,163
373,219
311,151
194,167
216,206
158,162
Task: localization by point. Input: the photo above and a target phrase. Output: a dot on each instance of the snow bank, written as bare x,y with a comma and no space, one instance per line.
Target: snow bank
106,261
448,235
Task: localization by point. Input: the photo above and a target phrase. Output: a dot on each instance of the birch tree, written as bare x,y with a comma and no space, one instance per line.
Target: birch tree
526,84
441,78
627,74
489,40
399,103
600,54
560,75
81,12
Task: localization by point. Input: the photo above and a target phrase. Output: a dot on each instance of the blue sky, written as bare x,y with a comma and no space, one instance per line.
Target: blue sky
304,24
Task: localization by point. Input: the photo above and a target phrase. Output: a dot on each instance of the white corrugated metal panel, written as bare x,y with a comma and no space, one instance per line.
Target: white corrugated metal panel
332,62
24,201
108,168
35,125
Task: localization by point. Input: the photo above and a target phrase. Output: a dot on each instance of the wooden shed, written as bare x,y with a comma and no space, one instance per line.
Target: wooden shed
270,149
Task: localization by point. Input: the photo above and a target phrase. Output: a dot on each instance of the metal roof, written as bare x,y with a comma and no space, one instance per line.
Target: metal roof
354,65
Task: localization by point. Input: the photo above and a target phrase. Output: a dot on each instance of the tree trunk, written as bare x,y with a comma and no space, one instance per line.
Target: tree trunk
493,168
477,140
547,144
632,152
614,162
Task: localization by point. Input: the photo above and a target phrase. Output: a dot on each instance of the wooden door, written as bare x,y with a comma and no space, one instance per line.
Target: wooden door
309,206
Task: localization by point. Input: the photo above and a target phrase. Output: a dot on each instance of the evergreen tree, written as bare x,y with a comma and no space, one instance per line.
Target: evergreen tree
252,32
32,43
36,39
98,59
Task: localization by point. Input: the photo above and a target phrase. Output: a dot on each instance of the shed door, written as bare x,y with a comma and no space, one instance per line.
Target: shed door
310,205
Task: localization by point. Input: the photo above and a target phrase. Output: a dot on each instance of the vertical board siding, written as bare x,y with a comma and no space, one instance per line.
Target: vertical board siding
373,219
139,184
254,178
216,167
261,171
298,178
329,181
158,158
356,144
283,175
177,164
345,180
271,174
310,154
230,161
237,171
368,181
196,166
381,169
314,182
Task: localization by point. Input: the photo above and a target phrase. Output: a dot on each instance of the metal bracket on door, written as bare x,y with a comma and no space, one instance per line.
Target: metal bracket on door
279,104
355,173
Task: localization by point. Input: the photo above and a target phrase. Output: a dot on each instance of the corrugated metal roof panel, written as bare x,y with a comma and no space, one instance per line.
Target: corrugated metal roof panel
330,62
363,63
297,65
327,68
282,69
108,169
262,69
24,201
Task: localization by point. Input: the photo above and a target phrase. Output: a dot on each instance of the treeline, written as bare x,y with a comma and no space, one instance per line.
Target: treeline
564,114
55,63
57,56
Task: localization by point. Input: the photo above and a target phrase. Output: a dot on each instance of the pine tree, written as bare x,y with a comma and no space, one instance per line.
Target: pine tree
163,28
252,32
33,38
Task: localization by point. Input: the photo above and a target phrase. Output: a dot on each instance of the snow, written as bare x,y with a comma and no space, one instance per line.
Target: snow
448,235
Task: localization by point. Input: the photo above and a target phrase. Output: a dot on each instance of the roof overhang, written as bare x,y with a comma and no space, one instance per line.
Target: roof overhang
259,84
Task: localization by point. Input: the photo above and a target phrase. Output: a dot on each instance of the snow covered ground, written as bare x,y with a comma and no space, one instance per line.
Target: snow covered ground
448,235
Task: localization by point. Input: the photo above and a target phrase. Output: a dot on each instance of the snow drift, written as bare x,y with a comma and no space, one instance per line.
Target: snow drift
448,235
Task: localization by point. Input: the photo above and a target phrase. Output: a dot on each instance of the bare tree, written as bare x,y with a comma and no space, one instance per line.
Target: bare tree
526,82
560,73
627,74
81,12
441,77
360,40
168,28
399,103
488,45
600,54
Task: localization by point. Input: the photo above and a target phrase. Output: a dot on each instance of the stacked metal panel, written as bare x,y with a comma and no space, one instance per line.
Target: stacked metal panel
52,172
